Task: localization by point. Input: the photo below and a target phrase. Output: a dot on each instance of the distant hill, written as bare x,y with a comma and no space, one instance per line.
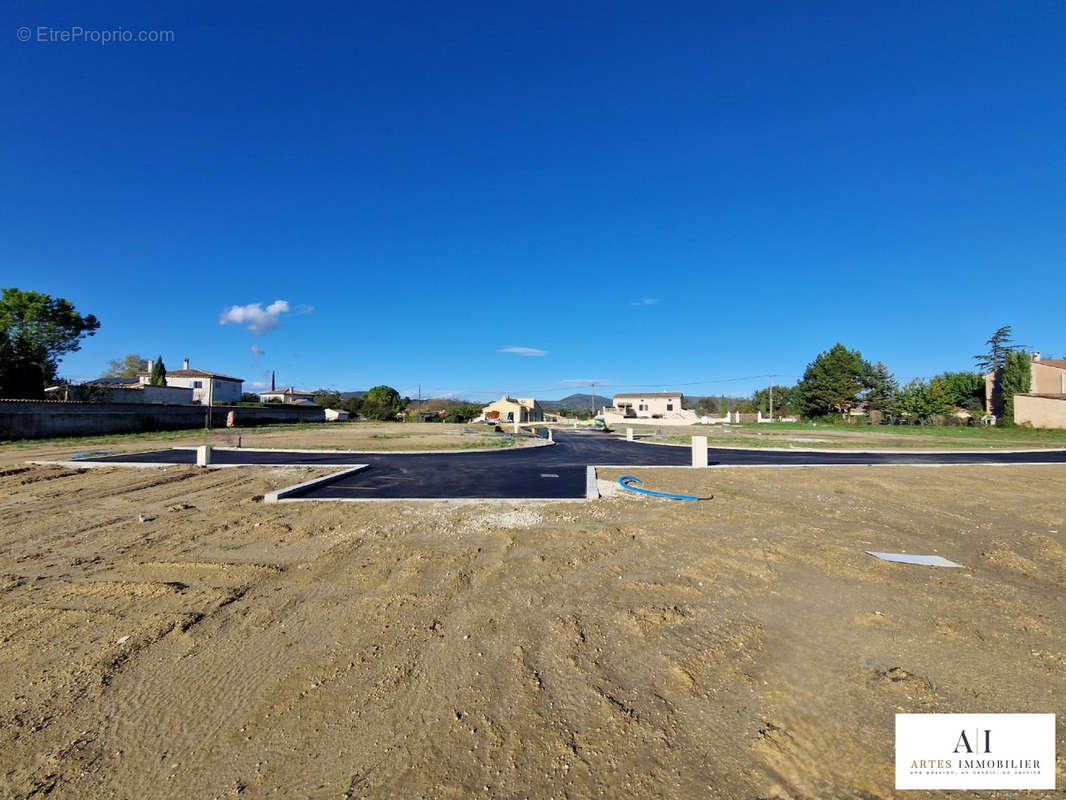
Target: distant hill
346,395
577,401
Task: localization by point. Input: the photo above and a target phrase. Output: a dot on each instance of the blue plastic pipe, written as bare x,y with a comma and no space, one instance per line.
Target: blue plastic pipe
625,480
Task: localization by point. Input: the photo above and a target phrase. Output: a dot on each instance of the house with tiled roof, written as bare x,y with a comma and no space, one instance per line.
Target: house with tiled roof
514,409
288,396
207,387
1044,405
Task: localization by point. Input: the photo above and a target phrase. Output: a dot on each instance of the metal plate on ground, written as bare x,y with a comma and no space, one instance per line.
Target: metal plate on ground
908,558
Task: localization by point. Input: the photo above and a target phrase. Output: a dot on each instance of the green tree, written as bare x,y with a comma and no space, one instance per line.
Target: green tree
327,398
158,375
36,330
964,389
382,402
784,400
835,382
129,367
882,387
919,402
249,397
464,412
999,345
1017,379
353,405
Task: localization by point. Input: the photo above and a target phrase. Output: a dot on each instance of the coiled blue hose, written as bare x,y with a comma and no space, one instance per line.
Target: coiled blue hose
625,480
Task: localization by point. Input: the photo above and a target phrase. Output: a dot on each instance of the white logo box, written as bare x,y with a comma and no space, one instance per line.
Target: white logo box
975,751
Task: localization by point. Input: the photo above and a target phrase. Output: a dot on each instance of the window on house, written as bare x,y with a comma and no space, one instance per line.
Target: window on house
669,406
198,384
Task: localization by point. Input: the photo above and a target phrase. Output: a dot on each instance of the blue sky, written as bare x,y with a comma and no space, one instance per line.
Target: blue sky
654,196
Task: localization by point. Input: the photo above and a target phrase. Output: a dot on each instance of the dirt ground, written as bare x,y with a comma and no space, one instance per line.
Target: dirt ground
742,647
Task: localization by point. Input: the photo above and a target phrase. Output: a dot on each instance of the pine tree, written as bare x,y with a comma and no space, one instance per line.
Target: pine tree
158,376
1000,345
882,387
834,382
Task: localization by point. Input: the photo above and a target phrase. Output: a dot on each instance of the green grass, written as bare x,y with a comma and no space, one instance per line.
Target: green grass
479,445
794,434
967,432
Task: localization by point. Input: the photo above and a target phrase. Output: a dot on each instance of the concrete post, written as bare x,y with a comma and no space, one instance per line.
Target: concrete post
550,439
203,455
629,434
516,425
699,451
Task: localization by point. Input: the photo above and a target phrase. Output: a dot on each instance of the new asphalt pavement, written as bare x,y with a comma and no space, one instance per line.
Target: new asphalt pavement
555,471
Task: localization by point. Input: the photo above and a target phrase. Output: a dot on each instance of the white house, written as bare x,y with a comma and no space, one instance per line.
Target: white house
207,387
514,409
659,408
287,396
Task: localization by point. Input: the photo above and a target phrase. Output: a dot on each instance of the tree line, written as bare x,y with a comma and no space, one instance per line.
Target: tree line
36,330
840,383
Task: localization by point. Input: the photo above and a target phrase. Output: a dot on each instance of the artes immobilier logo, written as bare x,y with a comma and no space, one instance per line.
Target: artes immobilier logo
975,751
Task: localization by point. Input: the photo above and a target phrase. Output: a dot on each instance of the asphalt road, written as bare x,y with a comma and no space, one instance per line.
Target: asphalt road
543,472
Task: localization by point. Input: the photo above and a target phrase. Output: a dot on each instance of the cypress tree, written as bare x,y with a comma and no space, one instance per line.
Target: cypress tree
158,376
1017,379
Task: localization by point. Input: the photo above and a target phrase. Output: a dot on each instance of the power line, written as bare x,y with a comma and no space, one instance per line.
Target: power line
557,387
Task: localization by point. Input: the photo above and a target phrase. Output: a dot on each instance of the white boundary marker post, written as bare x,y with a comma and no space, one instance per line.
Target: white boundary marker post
699,451
629,434
203,455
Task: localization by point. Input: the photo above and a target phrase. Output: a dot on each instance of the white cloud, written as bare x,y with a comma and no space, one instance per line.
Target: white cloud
303,308
647,301
260,385
254,317
257,351
524,351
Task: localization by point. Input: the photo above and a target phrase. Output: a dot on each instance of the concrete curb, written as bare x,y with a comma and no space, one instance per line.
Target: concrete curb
282,494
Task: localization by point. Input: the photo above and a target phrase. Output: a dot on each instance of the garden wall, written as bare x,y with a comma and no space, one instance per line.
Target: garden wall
42,419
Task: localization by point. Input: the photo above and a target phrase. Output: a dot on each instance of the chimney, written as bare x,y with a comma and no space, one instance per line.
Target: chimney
185,364
1036,355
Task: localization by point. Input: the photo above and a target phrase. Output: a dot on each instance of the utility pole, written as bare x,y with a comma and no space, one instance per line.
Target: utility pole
210,402
419,403
771,398
592,400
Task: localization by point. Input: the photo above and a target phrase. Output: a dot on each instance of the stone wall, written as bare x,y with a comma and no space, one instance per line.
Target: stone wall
43,419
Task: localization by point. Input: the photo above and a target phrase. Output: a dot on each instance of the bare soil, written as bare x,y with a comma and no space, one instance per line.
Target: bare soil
743,647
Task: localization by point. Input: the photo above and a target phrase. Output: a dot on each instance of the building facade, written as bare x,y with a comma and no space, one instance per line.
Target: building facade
661,408
207,387
515,409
